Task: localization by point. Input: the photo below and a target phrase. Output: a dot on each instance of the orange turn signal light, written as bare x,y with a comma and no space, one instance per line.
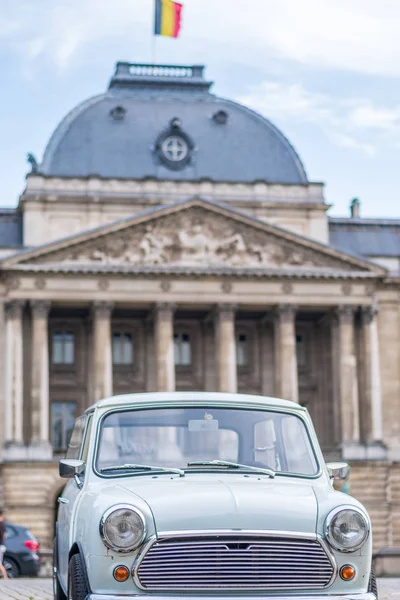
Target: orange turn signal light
121,573
347,572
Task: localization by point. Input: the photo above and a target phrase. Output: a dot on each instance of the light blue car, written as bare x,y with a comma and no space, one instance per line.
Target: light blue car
177,495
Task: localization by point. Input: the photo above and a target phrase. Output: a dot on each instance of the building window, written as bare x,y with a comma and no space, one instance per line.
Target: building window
62,423
175,148
242,350
63,348
300,351
182,349
122,348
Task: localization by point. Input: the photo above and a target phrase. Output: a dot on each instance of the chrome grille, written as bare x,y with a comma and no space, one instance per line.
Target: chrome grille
234,562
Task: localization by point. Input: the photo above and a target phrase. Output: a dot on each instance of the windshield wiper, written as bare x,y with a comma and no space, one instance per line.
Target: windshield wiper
135,467
226,463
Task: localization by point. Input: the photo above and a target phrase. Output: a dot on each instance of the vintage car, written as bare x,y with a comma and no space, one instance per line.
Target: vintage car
174,495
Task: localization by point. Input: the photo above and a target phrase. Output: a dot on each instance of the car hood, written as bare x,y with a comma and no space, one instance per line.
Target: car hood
247,502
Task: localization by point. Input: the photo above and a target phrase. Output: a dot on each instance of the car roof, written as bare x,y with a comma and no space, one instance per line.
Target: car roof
195,398
15,526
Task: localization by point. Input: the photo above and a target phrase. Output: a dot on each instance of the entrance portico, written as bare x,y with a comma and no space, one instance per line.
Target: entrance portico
302,353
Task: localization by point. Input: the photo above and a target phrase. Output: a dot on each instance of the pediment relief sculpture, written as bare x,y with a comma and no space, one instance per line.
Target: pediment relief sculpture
193,238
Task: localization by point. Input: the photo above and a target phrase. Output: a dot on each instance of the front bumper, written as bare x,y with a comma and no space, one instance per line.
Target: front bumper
368,596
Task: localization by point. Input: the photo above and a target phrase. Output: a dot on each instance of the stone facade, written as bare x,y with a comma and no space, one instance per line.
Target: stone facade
261,310
128,285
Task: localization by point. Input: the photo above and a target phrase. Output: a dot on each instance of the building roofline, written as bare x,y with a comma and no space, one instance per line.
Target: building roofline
363,221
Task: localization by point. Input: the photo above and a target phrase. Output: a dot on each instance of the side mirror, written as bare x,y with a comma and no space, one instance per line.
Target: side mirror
338,470
69,468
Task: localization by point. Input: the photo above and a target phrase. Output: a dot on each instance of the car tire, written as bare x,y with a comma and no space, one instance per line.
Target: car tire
11,567
372,586
77,584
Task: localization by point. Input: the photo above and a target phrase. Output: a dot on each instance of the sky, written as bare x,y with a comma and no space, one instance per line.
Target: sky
326,72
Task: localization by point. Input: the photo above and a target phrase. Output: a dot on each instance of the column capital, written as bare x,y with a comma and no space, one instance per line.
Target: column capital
225,310
102,309
13,308
40,308
345,313
164,311
165,307
286,313
368,313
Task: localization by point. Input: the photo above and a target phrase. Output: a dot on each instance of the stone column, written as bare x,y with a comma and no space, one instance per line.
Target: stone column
40,375
371,395
209,366
286,379
267,357
14,374
346,378
164,347
102,352
226,348
150,359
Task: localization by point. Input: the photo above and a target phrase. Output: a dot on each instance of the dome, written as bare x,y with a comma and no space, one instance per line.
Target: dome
163,122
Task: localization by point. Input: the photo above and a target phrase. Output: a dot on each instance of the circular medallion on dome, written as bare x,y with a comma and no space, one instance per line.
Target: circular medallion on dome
175,148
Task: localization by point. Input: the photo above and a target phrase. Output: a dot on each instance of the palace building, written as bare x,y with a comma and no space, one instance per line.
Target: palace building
171,240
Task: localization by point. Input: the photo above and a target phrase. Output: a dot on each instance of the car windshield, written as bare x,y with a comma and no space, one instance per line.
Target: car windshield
176,437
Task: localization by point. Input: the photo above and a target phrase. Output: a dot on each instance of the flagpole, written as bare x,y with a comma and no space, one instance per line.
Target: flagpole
154,37
154,50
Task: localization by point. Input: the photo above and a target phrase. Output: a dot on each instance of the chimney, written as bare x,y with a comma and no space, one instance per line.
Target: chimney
355,208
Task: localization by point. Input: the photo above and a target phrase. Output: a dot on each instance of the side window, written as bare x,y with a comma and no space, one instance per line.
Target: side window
75,444
298,450
86,442
10,532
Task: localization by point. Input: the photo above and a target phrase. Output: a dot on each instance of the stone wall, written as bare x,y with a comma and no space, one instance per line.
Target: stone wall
30,495
377,486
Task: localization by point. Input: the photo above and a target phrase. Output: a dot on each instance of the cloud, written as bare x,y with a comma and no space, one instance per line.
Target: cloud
59,30
355,35
347,122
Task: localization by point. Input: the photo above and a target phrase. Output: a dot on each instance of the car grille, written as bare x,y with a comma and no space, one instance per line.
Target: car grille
234,562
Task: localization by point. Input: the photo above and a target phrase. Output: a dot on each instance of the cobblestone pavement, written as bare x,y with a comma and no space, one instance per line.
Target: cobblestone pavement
388,589
26,589
41,589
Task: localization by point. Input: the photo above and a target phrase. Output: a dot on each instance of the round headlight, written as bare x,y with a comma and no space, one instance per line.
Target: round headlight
347,528
122,528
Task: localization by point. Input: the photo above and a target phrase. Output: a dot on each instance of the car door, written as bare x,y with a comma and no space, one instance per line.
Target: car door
69,497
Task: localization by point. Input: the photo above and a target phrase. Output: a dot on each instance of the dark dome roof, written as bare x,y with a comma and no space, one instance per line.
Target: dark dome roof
121,134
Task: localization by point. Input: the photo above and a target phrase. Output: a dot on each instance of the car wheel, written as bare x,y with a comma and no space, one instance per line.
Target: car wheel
372,586
11,567
77,585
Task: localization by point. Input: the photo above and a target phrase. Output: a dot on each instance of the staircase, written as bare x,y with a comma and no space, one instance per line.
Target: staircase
377,486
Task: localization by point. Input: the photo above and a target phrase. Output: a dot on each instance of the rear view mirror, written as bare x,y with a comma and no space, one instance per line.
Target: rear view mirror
338,470
69,468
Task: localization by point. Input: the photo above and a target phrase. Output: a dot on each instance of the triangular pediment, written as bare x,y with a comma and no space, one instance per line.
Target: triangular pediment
196,234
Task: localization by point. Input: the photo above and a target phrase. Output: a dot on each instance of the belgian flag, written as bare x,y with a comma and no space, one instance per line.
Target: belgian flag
167,18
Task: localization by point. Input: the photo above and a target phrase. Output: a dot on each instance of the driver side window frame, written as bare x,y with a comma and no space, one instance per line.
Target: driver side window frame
74,452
